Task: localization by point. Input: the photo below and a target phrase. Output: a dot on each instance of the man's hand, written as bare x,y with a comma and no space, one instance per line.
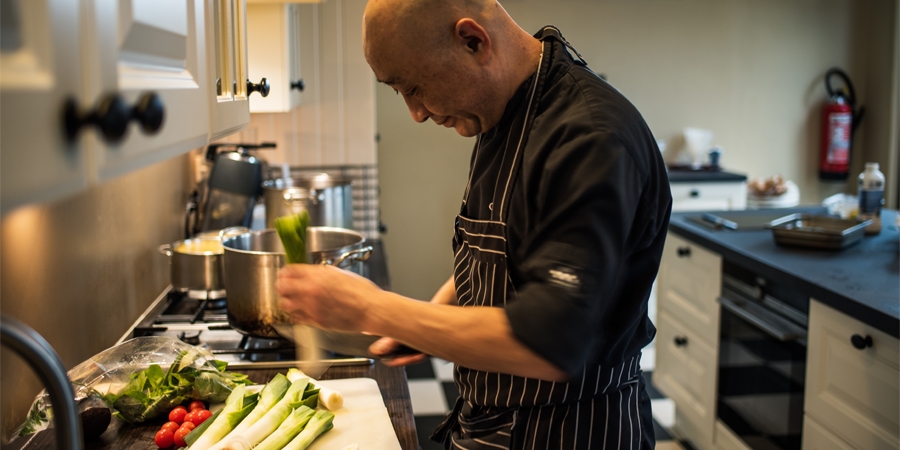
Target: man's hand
385,346
325,296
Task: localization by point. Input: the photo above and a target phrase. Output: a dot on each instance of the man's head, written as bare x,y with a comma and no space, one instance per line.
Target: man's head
457,62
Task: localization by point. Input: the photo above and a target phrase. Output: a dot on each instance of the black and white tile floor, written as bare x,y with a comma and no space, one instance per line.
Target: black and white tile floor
432,392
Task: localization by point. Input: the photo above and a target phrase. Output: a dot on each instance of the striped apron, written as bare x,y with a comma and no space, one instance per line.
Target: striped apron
606,407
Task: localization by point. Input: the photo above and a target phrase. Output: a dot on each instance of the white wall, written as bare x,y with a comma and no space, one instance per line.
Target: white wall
750,70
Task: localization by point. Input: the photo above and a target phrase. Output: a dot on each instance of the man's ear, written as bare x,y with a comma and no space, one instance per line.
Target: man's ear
474,37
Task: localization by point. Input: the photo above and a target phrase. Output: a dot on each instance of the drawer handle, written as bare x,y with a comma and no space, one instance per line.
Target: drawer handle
681,341
684,252
262,87
299,85
695,193
112,115
860,342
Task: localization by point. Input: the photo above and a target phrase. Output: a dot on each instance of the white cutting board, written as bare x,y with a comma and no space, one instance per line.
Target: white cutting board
362,420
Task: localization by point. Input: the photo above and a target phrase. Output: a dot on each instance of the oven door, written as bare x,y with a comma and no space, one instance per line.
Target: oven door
762,367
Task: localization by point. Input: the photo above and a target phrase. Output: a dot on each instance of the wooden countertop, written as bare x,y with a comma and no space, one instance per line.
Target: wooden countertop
391,381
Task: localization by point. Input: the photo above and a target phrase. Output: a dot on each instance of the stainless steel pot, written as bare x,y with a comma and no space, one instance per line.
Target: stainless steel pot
198,264
328,200
252,261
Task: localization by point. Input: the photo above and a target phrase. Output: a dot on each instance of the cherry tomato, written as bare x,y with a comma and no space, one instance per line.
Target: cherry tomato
196,404
188,425
191,416
164,439
179,436
171,426
177,415
200,416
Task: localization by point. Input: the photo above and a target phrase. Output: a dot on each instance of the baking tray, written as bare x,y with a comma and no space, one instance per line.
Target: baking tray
817,231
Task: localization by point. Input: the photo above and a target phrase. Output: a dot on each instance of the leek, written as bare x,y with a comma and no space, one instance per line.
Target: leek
292,231
289,429
331,399
237,406
321,422
268,397
269,422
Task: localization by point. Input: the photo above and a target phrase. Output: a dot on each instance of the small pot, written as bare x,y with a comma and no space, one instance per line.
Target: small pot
252,261
198,264
328,200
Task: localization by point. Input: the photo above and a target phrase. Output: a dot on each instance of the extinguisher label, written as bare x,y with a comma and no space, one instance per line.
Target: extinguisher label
839,138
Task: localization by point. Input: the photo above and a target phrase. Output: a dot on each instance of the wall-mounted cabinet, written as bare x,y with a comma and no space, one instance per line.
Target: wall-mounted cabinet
95,88
273,43
227,65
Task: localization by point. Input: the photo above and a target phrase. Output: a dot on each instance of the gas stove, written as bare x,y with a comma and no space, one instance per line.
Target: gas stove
200,318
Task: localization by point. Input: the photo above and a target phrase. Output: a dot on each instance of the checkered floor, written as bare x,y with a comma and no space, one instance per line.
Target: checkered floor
432,392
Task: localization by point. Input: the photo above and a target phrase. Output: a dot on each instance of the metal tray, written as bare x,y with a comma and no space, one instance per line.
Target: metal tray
817,231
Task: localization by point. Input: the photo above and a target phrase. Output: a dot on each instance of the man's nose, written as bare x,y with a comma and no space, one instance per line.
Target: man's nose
417,109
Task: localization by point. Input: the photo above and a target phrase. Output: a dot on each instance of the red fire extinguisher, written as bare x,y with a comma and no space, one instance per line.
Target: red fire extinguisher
839,122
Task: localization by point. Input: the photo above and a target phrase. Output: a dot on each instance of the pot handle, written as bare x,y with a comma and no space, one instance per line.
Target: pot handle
232,231
165,249
291,196
358,255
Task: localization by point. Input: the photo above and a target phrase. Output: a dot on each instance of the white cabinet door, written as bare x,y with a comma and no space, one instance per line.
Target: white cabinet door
143,47
816,437
40,68
709,196
273,52
690,282
227,65
853,392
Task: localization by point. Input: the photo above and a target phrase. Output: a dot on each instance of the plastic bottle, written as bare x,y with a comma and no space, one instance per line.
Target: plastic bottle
871,197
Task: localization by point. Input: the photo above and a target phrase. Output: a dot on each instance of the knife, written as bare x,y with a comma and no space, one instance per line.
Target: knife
719,222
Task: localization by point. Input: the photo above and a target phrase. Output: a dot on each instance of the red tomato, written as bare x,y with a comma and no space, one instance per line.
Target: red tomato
177,414
188,425
171,426
191,416
179,436
200,416
196,404
164,439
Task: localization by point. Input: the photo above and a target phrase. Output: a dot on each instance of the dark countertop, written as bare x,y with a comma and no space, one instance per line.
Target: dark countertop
862,281
703,176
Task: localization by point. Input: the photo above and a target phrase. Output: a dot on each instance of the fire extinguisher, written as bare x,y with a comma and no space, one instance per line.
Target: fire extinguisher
839,122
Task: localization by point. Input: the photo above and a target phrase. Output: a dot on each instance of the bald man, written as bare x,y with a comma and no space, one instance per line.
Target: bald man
556,244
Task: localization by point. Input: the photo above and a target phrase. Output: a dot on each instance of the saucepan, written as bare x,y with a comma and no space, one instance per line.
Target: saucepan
198,263
329,200
252,261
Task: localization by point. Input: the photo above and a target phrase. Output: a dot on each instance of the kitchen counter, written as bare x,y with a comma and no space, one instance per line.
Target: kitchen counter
862,281
704,176
391,381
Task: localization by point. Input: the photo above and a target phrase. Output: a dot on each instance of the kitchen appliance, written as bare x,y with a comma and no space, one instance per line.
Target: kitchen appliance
762,360
328,199
252,261
840,118
233,187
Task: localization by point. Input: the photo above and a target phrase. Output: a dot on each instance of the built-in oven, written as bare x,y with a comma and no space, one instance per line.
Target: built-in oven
762,360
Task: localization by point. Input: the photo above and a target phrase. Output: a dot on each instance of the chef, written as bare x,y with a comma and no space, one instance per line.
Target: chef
557,241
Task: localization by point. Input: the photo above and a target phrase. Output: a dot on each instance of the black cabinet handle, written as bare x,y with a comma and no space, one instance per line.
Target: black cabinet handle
112,114
684,252
860,342
262,87
299,85
680,341
695,193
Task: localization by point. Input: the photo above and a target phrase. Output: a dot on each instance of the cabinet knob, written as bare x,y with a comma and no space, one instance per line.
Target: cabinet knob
299,85
112,114
262,87
680,341
695,193
860,342
684,252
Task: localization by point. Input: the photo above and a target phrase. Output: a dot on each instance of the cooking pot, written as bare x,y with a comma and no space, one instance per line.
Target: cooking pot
329,200
198,264
252,261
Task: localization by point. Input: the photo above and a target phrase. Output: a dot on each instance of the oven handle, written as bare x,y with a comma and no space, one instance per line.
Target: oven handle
777,331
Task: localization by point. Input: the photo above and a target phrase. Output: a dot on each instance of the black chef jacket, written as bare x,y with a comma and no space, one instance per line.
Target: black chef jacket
587,218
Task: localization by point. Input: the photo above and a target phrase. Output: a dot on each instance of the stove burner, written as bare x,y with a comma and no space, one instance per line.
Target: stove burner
193,338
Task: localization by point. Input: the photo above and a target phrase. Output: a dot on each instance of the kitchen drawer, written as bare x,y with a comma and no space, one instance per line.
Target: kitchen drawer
853,393
690,280
708,196
686,372
816,437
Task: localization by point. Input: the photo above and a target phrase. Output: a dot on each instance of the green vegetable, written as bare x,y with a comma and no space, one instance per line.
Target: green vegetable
152,391
321,422
268,397
197,432
268,423
237,406
288,429
292,231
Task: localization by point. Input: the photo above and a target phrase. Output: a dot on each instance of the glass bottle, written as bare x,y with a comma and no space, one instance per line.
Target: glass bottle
871,197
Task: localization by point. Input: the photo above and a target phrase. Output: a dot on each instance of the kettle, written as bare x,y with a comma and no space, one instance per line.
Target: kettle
35,350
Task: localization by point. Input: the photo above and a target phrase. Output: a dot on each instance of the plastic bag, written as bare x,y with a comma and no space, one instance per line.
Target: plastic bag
141,379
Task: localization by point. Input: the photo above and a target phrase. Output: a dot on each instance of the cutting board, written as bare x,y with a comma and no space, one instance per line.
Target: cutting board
363,419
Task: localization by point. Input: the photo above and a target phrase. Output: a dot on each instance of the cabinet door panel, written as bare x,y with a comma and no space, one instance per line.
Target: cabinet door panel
816,437
690,280
229,108
40,67
152,46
